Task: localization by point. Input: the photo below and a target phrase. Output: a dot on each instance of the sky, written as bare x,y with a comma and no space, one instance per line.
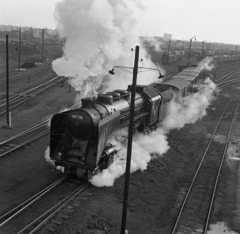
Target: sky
211,20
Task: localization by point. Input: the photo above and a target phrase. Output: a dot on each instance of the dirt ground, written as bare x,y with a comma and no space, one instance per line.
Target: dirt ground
154,195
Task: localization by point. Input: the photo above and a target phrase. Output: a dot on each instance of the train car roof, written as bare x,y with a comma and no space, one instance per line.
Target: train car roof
186,77
177,83
194,69
188,73
160,86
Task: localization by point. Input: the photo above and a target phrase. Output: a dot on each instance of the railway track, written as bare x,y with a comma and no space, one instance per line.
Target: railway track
27,136
226,83
16,100
20,140
14,76
226,76
56,196
195,213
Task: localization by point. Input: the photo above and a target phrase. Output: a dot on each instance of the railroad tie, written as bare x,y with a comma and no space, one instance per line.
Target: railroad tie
57,222
76,204
51,229
64,216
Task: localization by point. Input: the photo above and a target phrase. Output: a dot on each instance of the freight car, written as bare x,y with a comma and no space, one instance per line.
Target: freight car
79,137
169,58
225,58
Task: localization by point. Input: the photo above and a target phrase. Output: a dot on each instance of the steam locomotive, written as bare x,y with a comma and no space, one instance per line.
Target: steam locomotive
79,137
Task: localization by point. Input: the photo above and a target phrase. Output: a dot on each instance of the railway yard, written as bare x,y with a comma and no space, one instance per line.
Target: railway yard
196,184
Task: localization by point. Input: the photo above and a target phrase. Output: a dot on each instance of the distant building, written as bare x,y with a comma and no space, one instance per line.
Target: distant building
167,37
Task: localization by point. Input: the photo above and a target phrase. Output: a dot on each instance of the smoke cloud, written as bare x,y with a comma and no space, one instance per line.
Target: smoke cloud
145,147
153,42
50,161
206,64
47,155
191,108
99,35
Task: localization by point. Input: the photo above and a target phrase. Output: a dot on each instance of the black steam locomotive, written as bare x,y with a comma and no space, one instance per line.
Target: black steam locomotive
78,138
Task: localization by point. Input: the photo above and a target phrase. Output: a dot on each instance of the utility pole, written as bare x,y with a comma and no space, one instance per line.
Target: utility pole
42,43
203,48
19,49
43,31
130,137
7,83
189,52
182,49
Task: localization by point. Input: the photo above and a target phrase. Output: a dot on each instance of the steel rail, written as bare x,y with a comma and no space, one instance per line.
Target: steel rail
54,210
218,174
29,72
25,143
226,80
22,99
24,93
33,128
24,205
197,171
227,74
34,70
229,82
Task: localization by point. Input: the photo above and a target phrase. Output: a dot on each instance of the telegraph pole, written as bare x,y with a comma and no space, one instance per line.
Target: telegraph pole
203,47
43,31
189,52
182,49
130,137
19,49
7,84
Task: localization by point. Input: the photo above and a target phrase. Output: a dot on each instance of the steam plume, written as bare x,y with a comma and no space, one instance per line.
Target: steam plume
180,112
142,148
190,108
99,35
206,64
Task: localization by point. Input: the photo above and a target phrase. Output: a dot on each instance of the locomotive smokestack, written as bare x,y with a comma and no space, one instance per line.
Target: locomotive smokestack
88,102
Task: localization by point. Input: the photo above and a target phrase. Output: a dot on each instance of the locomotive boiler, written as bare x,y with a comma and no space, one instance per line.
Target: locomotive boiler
78,138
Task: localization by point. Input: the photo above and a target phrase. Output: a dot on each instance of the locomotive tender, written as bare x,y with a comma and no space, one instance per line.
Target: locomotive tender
78,137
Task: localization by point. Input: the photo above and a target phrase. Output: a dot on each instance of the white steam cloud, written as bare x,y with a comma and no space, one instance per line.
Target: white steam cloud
153,42
145,147
191,108
206,64
50,161
99,35
47,154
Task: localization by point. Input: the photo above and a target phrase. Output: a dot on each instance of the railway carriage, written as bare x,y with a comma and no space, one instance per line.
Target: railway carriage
225,58
192,74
